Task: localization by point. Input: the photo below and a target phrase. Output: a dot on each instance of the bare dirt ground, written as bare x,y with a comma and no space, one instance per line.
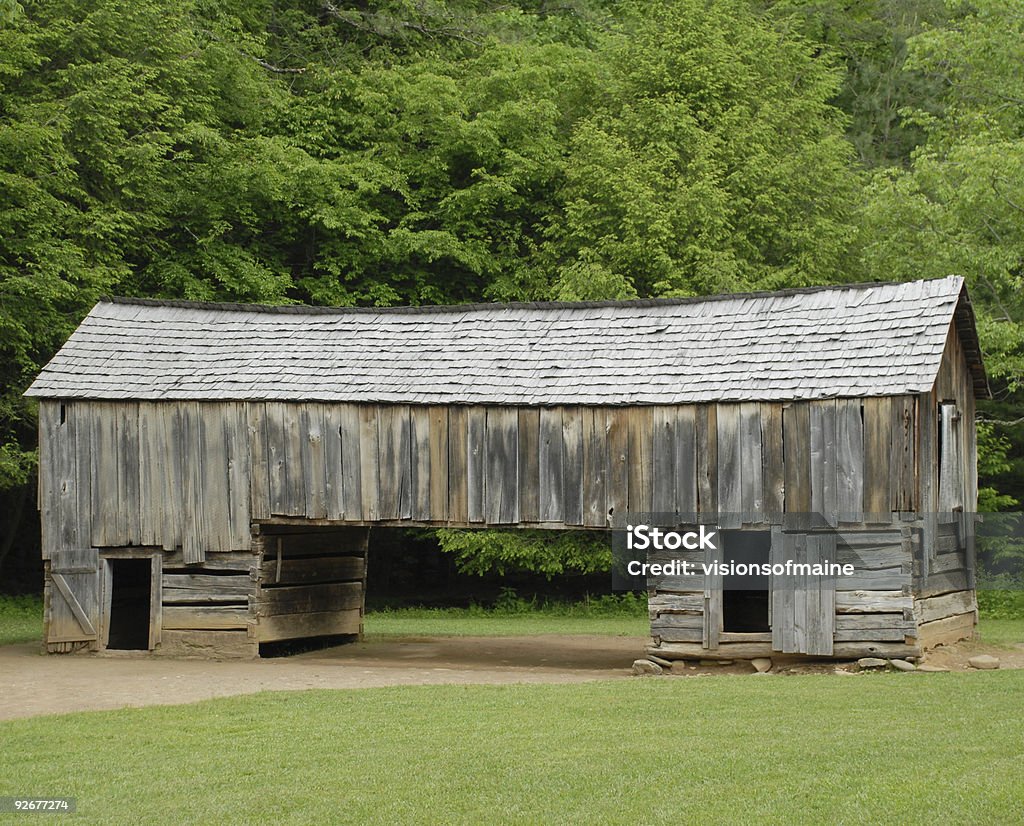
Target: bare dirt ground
33,684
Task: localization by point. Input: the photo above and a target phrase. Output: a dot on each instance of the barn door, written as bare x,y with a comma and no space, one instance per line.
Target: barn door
803,606
74,596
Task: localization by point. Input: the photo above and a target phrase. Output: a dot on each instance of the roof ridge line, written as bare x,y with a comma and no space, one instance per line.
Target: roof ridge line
310,309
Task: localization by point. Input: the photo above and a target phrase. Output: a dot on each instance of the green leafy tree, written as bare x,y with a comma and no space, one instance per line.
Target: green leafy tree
959,206
713,161
879,88
552,553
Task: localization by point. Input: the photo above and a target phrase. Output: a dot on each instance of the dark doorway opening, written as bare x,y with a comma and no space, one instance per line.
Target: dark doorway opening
131,584
745,596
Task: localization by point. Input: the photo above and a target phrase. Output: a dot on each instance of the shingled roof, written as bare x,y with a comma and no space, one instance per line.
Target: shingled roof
847,341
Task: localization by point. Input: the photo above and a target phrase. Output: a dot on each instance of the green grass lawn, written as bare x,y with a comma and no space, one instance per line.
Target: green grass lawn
811,749
1003,632
459,622
21,619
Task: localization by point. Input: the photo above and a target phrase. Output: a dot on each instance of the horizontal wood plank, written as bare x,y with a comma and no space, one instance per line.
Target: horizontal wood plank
304,599
205,617
302,626
297,571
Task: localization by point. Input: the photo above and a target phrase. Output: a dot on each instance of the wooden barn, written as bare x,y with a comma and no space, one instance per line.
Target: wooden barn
209,473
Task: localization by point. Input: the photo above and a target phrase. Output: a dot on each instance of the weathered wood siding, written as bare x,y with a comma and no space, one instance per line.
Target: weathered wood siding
194,476
873,604
294,583
309,583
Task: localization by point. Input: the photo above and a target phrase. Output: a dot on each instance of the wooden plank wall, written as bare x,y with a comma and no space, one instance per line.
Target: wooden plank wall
193,476
310,583
947,555
842,616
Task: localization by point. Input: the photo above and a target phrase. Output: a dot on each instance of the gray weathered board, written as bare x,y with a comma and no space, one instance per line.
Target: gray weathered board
194,475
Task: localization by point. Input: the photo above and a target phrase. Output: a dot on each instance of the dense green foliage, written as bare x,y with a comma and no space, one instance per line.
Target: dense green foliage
426,151
822,750
551,553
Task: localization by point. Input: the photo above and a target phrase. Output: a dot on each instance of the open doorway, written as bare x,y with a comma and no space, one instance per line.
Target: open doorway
745,598
130,603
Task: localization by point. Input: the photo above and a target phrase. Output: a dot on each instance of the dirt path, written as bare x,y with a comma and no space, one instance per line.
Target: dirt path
32,684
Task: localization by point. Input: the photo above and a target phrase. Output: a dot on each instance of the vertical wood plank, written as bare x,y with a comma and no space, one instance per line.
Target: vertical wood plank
420,455
350,428
779,594
821,605
128,504
173,476
295,474
903,459
641,426
572,464
259,458
476,473
663,471
193,547
817,461
314,460
458,492
595,467
686,464
150,476
730,467
394,461
214,522
797,456
970,448
502,466
529,464
277,475
334,461
928,465
438,423
618,466
751,459
970,463
707,462
799,623
369,463
49,473
239,476
67,481
156,589
823,460
74,467
129,466
82,427
104,477
712,603
849,460
877,445
552,508
773,466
